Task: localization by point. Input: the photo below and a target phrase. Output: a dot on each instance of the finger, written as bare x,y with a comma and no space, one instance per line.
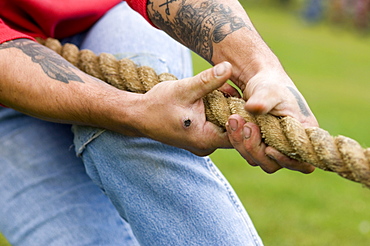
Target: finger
216,136
261,101
256,148
235,134
206,81
229,90
289,163
246,139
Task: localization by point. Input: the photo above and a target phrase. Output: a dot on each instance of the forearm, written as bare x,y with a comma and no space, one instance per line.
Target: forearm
40,83
220,30
217,30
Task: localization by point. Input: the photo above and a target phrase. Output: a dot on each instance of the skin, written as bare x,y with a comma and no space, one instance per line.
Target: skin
36,81
224,32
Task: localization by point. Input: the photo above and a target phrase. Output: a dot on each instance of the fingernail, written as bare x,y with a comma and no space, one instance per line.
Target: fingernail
233,123
220,69
247,132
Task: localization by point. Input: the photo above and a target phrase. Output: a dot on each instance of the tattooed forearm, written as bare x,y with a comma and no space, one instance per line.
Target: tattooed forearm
167,5
53,65
198,25
302,105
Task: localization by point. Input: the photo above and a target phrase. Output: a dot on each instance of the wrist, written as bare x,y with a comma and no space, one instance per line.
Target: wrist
119,112
248,56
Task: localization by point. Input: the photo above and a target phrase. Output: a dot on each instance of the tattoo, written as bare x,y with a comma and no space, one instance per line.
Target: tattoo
167,6
301,103
52,64
197,26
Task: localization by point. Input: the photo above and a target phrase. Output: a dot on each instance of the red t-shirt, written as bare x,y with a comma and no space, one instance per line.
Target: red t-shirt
51,18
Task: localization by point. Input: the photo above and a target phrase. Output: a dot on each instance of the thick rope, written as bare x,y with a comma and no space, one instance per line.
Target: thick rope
314,145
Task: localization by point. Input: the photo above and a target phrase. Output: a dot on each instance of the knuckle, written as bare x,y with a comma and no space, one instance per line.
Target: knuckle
270,168
205,77
235,140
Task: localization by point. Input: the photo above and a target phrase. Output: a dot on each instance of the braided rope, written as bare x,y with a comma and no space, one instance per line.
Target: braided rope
314,145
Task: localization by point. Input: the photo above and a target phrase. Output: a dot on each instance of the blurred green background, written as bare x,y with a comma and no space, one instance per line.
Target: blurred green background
330,64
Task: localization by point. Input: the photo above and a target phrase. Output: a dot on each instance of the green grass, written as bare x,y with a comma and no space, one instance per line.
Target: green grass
3,241
331,69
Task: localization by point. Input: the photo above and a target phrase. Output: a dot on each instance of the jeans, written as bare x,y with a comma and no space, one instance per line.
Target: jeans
96,187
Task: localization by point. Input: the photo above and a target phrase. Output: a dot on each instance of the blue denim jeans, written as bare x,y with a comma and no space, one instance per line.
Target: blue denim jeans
118,190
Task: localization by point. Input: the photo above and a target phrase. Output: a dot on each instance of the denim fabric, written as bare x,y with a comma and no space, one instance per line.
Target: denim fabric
125,33
168,195
149,193
46,197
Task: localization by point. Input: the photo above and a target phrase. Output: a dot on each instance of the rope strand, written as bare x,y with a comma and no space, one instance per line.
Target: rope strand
314,145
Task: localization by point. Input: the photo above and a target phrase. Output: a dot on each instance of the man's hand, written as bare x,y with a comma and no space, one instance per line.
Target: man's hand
246,138
173,112
220,31
273,92
53,89
269,92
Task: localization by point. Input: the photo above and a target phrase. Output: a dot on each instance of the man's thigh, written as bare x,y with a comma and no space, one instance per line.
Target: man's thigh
46,196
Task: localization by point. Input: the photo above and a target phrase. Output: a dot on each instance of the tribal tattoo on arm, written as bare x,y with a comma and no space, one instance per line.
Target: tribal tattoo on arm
51,63
197,25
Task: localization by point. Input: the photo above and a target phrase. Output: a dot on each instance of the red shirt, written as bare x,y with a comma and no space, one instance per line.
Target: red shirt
52,18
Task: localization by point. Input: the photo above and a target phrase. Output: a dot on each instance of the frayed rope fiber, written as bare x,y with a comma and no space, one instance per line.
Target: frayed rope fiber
314,145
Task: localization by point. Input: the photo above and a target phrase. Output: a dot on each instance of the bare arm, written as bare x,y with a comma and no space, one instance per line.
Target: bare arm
38,82
222,31
219,31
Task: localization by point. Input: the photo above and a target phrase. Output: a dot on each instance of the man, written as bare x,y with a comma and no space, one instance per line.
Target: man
135,148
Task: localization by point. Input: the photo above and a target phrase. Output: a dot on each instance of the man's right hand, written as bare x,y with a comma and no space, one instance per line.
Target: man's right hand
173,112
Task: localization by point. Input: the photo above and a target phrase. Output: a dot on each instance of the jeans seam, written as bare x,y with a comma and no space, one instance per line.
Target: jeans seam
225,184
234,200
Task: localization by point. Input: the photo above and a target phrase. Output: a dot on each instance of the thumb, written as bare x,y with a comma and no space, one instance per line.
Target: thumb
208,81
